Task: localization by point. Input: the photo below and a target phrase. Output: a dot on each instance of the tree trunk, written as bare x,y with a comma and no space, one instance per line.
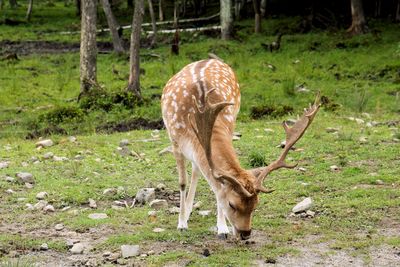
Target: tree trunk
257,16
358,25
153,24
134,62
29,11
397,16
113,25
88,48
263,8
161,10
13,4
226,19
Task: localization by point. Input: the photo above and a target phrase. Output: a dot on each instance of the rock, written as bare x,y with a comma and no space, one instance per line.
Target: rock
123,142
41,195
59,227
334,168
10,191
92,203
29,206
161,187
48,155
332,130
145,195
158,230
73,212
72,139
70,243
56,158
24,164
21,199
110,191
92,263
129,251
115,207
310,213
152,213
363,140
25,177
366,115
268,130
97,216
379,182
77,248
158,204
359,121
282,144
106,254
369,125
44,247
303,205
235,138
206,252
40,205
49,208
10,179
173,210
45,143
79,157
197,205
28,185
4,164
204,213
66,208
302,169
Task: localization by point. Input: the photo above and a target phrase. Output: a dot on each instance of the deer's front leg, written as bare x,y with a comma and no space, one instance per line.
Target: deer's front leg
222,228
192,190
180,162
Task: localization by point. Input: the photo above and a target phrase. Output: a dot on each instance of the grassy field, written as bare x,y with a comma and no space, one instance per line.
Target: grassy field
357,207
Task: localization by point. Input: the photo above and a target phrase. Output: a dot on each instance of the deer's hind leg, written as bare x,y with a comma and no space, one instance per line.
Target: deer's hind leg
192,190
180,163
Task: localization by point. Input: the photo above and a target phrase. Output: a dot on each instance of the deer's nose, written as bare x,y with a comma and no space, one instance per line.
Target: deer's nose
244,235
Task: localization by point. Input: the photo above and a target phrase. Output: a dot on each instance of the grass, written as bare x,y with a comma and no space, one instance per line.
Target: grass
352,211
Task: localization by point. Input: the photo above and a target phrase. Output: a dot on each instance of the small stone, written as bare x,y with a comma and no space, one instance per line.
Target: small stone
92,262
44,247
197,205
56,158
28,185
158,204
206,252
145,195
4,164
59,227
310,213
40,205
379,182
48,155
121,261
25,177
10,191
110,191
24,164
282,144
369,125
152,213
268,130
303,205
359,121
302,169
129,251
66,208
161,187
158,230
92,203
115,207
351,118
10,179
332,130
366,115
72,139
79,157
123,142
45,143
173,210
21,199
363,140
204,213
235,138
97,216
29,206
73,212
41,195
77,248
150,252
49,208
70,243
334,168
106,253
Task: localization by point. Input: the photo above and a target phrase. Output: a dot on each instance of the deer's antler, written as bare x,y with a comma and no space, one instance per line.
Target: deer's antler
292,136
205,116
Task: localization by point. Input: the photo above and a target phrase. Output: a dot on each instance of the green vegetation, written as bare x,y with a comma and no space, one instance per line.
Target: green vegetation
354,212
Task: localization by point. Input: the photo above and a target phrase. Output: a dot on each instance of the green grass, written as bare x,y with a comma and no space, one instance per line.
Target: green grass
350,208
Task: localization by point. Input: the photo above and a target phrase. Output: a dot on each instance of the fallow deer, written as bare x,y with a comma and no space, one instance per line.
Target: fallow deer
199,107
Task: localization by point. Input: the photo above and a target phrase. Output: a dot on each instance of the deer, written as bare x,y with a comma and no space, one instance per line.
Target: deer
199,106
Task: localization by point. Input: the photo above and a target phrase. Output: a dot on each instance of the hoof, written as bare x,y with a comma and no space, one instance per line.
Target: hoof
223,236
182,229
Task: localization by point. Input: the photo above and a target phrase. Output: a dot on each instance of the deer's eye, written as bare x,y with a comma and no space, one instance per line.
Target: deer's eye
232,207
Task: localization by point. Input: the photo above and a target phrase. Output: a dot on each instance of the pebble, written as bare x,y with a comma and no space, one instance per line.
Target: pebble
110,191
24,164
10,179
97,216
70,243
41,195
145,195
48,155
115,207
359,121
158,230
10,191
92,203
45,143
28,185
49,208
59,227
25,177
379,182
4,164
302,169
152,213
363,139
268,130
303,205
161,187
79,157
21,199
44,247
56,158
123,142
235,138
204,213
173,210
40,205
77,248
310,213
72,139
29,206
129,251
158,204
332,130
334,168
